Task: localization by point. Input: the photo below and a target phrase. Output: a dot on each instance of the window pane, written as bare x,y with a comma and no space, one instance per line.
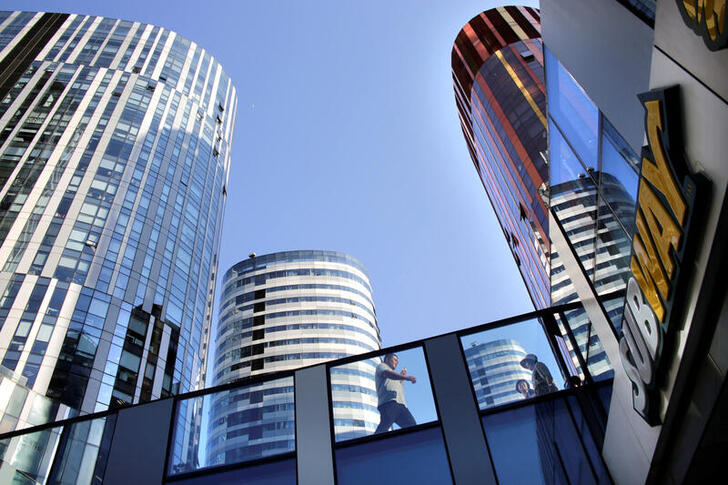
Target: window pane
564,166
411,458
619,177
279,473
234,426
377,394
29,456
613,251
511,363
588,345
539,443
573,201
572,110
83,452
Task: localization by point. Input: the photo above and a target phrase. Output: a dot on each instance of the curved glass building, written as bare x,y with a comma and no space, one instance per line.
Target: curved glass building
497,70
495,367
500,92
283,311
114,156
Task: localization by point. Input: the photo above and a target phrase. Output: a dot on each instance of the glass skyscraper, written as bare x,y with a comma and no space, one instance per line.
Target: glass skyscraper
114,156
497,69
282,311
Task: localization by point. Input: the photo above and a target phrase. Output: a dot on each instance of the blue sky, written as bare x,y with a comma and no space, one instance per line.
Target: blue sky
348,139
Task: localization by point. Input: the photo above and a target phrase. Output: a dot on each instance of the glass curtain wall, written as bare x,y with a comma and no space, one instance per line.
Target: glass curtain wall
114,153
593,186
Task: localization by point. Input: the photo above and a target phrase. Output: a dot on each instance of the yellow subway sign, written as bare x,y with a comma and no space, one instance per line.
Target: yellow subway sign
665,201
708,19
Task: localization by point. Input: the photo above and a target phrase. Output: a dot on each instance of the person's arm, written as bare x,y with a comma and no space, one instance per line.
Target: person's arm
402,376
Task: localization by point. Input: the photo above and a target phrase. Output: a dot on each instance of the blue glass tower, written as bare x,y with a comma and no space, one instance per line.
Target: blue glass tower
114,156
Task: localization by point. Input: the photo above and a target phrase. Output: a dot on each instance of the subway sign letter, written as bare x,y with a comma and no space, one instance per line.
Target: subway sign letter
665,202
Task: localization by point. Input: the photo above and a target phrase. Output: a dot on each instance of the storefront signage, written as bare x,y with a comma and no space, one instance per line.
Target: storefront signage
666,197
708,19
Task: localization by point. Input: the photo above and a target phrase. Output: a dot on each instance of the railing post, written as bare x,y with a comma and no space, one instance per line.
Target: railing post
314,459
139,446
466,446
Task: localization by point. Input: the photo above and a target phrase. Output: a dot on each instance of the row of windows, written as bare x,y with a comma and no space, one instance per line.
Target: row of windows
245,323
303,299
106,42
234,339
261,279
260,262
254,349
260,294
487,347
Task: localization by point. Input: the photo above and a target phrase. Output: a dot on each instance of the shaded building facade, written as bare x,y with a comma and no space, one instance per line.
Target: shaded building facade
114,156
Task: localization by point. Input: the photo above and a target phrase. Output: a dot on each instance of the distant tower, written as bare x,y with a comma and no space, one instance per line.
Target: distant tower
283,311
495,368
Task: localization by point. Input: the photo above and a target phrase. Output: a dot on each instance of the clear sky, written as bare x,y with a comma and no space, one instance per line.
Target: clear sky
348,139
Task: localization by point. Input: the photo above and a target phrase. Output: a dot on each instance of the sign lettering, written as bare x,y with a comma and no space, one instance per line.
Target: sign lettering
707,19
664,206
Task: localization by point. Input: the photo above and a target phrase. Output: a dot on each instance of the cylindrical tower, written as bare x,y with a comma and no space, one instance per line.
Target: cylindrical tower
283,311
495,367
114,157
497,71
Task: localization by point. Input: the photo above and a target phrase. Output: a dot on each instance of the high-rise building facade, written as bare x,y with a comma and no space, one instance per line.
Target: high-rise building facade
497,69
114,157
283,311
498,74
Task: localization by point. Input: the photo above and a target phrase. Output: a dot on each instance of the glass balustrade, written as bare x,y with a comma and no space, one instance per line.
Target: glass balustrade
525,375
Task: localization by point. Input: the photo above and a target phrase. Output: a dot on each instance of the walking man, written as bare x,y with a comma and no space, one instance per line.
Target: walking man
390,392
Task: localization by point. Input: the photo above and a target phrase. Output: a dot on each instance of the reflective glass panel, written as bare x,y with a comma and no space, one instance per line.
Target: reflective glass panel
76,453
619,177
378,394
613,251
543,443
564,166
28,458
614,306
572,110
277,473
410,458
573,201
233,426
83,452
511,363
576,322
